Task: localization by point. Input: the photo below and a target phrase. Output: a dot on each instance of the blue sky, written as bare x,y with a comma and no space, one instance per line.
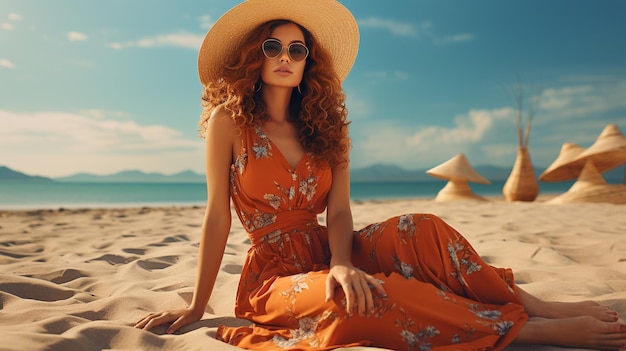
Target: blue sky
105,86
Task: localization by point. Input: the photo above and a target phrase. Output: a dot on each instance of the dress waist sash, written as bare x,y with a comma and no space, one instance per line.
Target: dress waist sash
285,222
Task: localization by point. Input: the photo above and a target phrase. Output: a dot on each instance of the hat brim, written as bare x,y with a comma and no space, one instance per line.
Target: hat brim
331,23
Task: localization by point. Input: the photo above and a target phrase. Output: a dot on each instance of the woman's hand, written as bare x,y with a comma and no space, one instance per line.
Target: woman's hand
180,318
356,285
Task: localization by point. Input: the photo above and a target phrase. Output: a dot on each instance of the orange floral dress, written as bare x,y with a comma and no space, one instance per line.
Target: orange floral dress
440,294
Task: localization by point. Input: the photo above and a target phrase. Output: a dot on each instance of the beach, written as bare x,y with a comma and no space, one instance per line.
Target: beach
78,279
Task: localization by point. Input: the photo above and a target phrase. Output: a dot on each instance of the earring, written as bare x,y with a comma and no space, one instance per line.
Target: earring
299,91
255,89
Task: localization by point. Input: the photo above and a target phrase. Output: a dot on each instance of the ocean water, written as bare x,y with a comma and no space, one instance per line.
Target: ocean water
52,195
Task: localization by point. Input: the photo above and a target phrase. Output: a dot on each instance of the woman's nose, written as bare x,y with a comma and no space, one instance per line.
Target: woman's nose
284,55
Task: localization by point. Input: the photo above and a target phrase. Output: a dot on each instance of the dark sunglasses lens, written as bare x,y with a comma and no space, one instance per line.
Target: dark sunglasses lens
298,52
272,48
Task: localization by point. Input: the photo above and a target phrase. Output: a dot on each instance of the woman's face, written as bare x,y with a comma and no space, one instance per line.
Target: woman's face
282,71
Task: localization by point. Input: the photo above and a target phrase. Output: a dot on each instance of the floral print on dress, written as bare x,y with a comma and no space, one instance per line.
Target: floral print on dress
493,319
308,186
240,162
405,269
289,193
262,147
307,329
406,228
256,220
417,338
461,256
274,200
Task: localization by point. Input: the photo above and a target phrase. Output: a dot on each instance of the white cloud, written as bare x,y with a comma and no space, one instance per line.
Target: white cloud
458,38
554,99
422,29
206,22
90,130
15,17
12,17
6,63
357,106
75,142
582,101
181,39
395,27
76,36
420,147
469,128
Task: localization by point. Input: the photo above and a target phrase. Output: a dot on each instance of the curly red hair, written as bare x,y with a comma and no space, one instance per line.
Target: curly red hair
318,110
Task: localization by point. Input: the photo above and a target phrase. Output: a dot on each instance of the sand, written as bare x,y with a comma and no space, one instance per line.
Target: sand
78,279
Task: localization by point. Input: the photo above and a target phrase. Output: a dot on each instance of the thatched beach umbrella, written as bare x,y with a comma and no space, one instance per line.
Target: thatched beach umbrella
592,187
566,166
608,151
457,171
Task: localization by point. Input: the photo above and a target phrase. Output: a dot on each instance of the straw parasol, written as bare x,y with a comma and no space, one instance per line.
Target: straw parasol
592,187
565,167
608,151
457,171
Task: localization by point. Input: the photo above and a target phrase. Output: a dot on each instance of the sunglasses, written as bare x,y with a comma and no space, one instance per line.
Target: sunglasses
272,48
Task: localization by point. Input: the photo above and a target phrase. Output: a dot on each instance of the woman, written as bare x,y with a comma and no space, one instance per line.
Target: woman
277,145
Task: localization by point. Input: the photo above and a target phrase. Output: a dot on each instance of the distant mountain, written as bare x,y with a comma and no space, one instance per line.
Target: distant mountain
374,173
8,174
390,173
135,176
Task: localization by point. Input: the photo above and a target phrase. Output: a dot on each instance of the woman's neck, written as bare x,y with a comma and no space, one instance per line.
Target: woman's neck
277,102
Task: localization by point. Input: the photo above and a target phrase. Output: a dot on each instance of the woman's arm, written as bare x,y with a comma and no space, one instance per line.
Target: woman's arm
339,217
353,281
215,226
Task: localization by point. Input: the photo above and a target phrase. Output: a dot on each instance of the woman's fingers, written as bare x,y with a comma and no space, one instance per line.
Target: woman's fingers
155,319
377,284
357,287
143,321
178,323
359,294
331,284
366,302
350,296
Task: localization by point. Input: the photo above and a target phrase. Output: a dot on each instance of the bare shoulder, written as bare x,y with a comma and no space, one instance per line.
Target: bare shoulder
220,123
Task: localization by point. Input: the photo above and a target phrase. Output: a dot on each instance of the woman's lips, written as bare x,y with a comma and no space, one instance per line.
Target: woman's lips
283,71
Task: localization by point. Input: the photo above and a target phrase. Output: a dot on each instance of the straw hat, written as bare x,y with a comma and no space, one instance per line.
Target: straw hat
332,25
609,150
564,167
457,167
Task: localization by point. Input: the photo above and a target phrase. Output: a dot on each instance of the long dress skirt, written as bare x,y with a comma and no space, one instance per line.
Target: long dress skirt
439,293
